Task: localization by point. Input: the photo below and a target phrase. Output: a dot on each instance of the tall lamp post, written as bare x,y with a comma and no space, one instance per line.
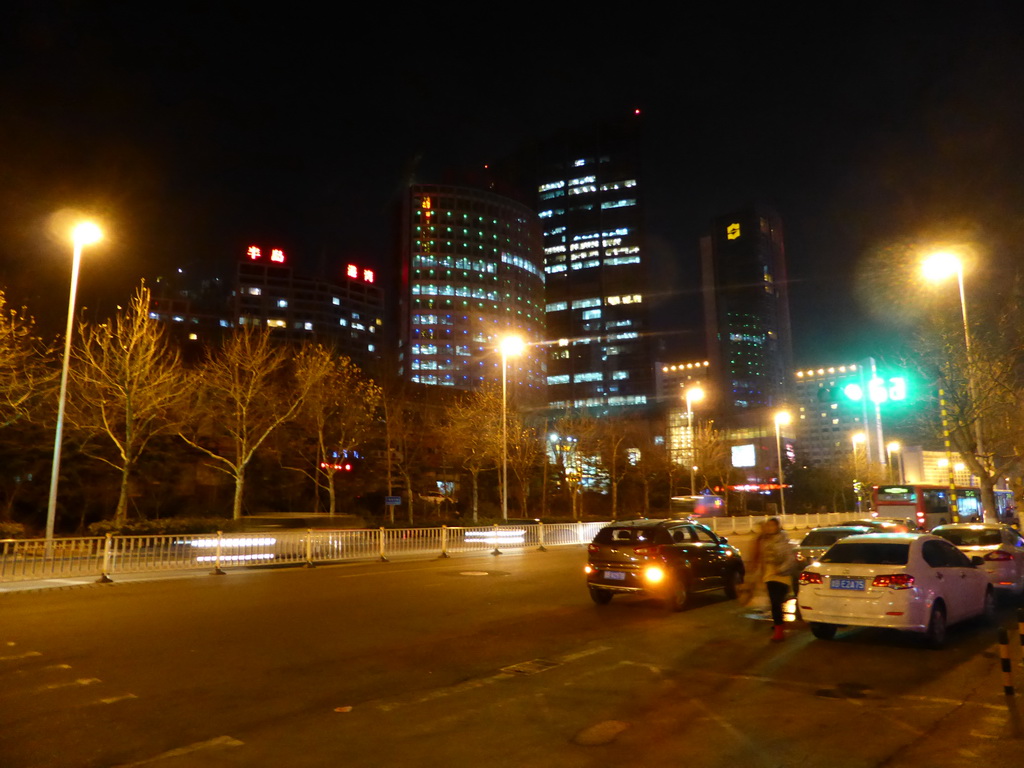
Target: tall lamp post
83,234
781,418
693,395
940,266
510,346
894,449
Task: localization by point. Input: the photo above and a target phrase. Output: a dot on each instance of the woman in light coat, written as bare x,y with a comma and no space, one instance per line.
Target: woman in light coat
775,557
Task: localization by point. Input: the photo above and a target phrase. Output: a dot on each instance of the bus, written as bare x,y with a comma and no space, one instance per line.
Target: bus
926,506
697,506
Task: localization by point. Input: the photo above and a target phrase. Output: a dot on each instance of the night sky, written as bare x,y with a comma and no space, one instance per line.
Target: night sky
192,132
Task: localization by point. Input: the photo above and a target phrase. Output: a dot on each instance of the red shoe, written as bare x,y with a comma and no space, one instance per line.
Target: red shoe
777,634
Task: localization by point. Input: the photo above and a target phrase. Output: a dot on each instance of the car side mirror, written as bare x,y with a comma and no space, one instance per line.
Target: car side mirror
723,540
977,561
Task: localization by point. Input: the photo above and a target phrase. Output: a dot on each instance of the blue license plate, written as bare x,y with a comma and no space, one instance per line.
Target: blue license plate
854,584
615,575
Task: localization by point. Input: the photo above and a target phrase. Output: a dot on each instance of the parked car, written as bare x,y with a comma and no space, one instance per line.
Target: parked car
885,524
669,559
909,581
817,540
1000,546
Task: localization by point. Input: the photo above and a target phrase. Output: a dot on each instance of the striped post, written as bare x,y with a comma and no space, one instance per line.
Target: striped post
954,510
383,557
217,571
1004,663
496,550
542,548
444,542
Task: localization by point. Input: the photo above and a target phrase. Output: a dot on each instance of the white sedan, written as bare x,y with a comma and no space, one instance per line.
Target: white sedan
909,581
1000,546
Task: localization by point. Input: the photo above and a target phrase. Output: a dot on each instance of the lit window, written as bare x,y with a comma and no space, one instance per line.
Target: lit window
282,303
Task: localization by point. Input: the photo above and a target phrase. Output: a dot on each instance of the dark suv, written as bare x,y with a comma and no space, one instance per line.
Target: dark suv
668,559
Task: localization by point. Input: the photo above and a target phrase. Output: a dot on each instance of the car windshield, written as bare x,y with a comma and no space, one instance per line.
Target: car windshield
965,537
870,553
826,538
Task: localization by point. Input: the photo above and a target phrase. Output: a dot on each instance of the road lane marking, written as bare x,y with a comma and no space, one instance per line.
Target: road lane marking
80,681
219,741
115,699
26,655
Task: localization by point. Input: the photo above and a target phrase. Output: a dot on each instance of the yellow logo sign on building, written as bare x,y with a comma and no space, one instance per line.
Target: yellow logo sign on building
733,232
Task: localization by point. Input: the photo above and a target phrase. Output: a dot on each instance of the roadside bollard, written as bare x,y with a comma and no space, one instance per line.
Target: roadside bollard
107,547
496,551
1020,633
540,537
444,543
1004,662
216,563
309,548
383,558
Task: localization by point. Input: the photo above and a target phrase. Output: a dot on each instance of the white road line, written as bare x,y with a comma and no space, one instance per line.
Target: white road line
115,699
80,681
219,741
26,655
582,654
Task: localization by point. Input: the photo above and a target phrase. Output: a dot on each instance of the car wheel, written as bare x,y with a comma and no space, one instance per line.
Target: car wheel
823,631
935,637
988,612
678,593
600,596
733,579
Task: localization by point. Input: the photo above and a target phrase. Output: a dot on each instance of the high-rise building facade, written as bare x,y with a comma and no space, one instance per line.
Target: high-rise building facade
746,310
472,272
589,189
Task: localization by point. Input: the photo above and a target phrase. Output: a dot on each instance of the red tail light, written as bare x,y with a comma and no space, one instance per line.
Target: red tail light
647,551
895,581
810,577
593,549
998,555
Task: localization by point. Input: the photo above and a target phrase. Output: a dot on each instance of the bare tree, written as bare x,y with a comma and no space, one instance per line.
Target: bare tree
127,389
612,438
525,452
577,447
241,394
472,430
711,453
339,411
980,395
25,378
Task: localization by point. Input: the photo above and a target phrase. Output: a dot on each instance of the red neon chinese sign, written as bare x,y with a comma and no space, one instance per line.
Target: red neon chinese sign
255,253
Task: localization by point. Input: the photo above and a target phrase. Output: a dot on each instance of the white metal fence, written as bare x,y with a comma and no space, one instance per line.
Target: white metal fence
104,556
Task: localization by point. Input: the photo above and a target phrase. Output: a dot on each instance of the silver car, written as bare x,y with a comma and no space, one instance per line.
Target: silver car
1000,546
817,540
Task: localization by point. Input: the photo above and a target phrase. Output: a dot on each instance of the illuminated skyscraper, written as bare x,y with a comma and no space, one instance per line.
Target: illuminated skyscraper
472,272
589,201
746,310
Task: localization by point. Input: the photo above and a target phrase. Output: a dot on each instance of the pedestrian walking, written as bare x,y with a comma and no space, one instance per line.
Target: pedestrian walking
775,559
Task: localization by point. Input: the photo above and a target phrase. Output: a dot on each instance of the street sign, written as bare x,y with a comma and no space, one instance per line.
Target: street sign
393,501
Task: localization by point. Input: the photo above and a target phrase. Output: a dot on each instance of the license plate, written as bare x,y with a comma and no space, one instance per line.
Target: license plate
615,575
854,584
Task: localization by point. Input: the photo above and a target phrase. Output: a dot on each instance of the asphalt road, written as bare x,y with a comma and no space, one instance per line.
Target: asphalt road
483,661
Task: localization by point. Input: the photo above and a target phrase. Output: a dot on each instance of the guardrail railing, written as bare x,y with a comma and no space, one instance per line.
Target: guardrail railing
104,556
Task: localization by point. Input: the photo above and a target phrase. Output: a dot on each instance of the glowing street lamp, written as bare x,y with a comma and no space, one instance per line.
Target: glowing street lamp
83,234
510,346
781,418
941,266
693,395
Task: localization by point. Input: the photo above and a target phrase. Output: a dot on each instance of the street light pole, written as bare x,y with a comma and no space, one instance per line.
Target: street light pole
85,233
693,395
859,437
510,346
782,417
938,266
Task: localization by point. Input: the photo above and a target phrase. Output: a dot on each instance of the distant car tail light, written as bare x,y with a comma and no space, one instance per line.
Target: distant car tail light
895,581
647,551
654,574
593,549
809,577
998,555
